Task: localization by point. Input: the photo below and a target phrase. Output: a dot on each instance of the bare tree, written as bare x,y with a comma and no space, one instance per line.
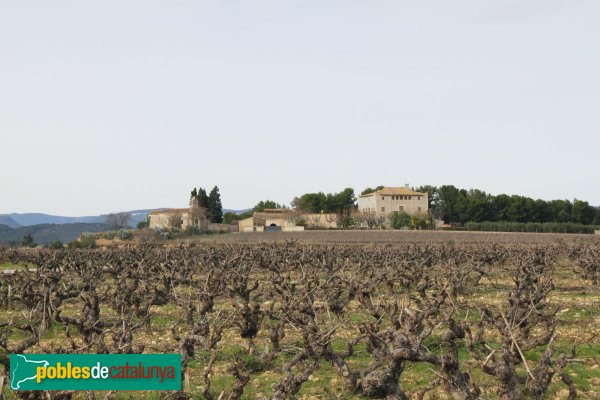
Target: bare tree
314,220
331,218
294,217
372,220
174,219
118,220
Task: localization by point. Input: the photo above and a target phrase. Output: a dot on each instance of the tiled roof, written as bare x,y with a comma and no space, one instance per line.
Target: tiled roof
395,191
270,215
168,210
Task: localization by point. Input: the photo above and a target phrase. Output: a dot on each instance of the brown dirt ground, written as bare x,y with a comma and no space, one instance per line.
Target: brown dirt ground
391,236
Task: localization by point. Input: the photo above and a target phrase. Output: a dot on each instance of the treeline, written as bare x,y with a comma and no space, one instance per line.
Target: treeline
548,227
338,203
459,207
454,206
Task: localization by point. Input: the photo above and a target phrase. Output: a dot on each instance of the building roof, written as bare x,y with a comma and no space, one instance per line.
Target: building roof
394,191
168,210
277,210
271,215
285,214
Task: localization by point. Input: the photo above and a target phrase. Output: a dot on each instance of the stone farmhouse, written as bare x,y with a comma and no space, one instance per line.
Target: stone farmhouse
389,199
285,219
179,218
379,203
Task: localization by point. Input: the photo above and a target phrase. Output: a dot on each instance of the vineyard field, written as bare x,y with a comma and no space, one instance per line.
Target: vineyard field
433,319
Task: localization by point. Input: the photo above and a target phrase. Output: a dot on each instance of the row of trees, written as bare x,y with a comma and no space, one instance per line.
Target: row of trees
340,203
211,202
460,206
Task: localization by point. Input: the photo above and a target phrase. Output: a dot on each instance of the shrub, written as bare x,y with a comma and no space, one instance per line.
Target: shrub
27,241
347,222
164,233
399,220
301,222
142,225
56,245
418,222
75,244
125,235
194,230
87,241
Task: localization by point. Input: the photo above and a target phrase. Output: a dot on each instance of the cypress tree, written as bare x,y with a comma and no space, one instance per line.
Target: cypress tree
215,206
203,199
204,202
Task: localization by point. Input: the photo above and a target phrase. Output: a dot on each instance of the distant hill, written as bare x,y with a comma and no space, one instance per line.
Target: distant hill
15,220
46,233
45,228
8,221
28,219
238,211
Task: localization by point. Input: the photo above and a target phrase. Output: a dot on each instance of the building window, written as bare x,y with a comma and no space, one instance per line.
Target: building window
419,198
401,208
382,209
382,198
419,209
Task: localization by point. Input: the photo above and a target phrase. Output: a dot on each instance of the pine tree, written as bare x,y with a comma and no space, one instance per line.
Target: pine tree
215,207
27,241
194,193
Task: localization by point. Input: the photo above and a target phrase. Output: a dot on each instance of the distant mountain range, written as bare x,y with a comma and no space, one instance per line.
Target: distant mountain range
17,220
47,233
45,228
8,221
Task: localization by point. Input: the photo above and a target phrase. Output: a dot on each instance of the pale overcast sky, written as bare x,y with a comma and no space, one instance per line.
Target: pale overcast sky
120,105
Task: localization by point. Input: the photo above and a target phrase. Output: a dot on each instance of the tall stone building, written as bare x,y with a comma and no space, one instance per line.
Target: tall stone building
389,199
